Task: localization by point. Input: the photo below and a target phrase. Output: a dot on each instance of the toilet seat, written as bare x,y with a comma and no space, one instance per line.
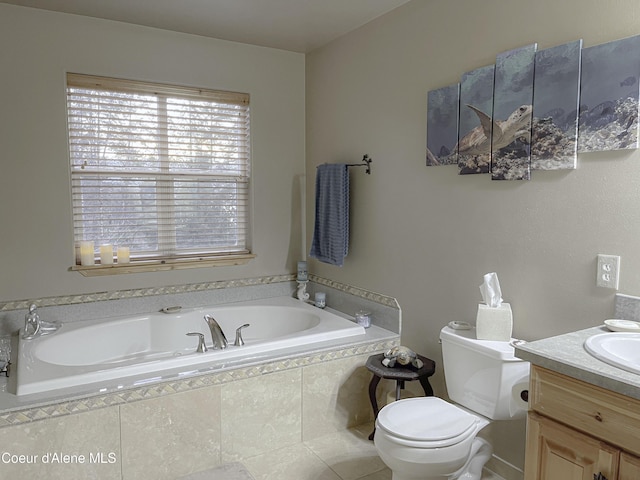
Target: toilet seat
426,422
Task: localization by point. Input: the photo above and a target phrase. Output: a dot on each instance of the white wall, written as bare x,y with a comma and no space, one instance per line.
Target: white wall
427,235
38,48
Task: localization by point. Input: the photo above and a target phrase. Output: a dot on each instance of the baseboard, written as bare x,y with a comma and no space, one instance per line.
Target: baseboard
504,469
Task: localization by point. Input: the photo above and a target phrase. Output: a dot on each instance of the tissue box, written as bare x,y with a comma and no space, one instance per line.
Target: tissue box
494,323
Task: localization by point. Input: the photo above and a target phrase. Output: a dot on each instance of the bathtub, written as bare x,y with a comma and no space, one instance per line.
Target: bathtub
151,347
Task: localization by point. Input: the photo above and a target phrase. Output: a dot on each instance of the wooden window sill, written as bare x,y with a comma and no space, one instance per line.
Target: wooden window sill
162,265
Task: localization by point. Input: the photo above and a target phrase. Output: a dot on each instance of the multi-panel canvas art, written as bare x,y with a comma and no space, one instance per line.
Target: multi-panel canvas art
442,125
554,136
476,105
609,96
535,110
512,114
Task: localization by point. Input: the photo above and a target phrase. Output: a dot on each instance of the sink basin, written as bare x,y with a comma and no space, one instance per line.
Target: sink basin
620,349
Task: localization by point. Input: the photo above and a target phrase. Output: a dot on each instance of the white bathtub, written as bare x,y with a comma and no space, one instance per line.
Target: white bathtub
147,346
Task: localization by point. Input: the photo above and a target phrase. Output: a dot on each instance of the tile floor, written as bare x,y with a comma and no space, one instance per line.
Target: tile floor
347,455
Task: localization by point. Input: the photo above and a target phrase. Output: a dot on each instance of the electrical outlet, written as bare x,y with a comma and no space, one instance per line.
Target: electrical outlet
608,274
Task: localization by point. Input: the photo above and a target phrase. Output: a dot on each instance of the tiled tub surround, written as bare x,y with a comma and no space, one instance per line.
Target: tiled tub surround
183,425
344,298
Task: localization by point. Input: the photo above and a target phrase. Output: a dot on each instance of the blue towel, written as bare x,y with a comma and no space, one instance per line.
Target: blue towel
331,229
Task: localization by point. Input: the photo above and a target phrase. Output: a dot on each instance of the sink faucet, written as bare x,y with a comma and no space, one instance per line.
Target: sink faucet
217,335
34,327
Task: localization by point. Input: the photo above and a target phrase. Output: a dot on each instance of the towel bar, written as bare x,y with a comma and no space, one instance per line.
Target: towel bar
366,162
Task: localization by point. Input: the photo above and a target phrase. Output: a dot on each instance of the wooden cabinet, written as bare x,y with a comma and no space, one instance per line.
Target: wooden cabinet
629,467
577,431
558,452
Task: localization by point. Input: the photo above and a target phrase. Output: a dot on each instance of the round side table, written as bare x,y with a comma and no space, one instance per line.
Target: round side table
401,374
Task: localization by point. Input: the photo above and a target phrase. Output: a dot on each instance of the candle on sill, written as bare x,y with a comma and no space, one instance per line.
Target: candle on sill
106,254
123,255
87,254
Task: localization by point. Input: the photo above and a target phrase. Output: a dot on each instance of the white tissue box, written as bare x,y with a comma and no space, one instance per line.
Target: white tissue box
494,323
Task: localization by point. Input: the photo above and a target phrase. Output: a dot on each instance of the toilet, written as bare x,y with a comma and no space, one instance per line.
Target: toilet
428,438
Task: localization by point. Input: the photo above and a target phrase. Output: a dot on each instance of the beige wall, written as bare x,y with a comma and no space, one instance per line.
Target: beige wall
423,235
38,47
427,235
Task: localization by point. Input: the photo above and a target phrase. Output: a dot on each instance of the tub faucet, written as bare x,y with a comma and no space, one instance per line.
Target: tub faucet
217,335
34,327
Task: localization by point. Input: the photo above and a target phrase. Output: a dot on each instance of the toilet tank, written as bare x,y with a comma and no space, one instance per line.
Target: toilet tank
484,376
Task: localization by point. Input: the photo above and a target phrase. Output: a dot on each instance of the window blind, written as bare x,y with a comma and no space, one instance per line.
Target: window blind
161,169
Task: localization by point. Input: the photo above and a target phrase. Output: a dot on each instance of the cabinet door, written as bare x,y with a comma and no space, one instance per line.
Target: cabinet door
557,452
629,467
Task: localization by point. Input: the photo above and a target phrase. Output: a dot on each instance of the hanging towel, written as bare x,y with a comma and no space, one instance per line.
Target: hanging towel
331,229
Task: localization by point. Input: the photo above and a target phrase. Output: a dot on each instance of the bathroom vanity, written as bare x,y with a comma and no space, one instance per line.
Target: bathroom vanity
584,415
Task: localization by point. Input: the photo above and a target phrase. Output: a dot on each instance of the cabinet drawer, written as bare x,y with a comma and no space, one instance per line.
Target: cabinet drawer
595,411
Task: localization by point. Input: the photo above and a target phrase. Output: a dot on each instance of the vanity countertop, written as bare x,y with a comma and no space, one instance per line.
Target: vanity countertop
566,354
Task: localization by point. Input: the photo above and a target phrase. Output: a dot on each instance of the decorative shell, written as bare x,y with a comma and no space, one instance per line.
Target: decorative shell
402,356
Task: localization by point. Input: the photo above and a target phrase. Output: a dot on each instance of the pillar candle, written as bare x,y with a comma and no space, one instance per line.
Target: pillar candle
87,254
123,255
106,254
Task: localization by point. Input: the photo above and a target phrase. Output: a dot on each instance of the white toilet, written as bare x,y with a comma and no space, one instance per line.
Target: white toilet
427,438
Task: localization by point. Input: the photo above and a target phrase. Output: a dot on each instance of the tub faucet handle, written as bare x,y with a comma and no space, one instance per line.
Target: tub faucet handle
239,341
201,346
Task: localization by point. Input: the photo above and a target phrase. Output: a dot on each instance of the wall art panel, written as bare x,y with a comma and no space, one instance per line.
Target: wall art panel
609,96
554,135
476,106
442,125
512,114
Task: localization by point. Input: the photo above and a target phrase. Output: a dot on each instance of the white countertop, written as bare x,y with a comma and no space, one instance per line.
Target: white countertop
566,354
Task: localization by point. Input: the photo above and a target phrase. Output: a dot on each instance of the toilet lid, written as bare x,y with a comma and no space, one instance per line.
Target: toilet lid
426,419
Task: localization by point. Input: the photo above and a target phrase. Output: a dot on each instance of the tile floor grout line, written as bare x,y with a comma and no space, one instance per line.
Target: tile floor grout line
304,444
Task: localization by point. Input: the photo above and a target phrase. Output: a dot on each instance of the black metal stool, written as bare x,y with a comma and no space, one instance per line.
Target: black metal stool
400,374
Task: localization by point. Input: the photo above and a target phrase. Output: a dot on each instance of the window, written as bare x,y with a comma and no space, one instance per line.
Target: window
160,169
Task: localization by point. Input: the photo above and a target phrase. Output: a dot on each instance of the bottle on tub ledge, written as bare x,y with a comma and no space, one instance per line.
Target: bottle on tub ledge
320,299
363,318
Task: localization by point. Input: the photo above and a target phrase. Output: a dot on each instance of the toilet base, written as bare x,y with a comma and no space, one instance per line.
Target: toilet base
481,451
480,454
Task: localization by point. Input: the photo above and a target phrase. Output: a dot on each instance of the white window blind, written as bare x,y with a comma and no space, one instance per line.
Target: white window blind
161,169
